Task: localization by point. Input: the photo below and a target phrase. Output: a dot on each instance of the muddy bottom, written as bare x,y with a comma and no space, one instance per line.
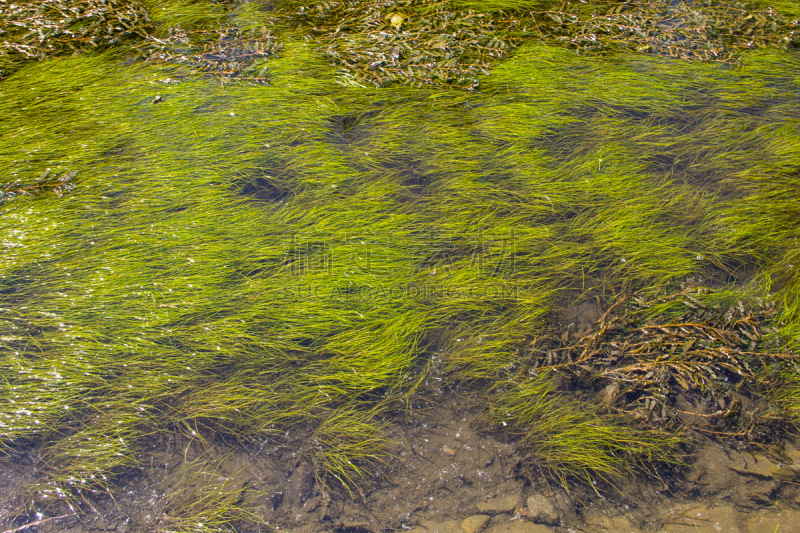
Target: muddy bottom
445,478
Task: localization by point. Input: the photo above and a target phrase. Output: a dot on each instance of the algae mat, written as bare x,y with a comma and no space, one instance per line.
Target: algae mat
244,262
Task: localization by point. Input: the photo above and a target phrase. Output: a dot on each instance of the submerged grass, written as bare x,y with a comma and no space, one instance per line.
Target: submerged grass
243,260
569,439
346,444
202,496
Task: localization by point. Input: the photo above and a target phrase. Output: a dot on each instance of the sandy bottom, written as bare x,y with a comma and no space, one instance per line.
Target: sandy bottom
446,478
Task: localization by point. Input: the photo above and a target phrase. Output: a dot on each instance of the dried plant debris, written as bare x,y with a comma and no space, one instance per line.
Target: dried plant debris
59,184
416,42
691,358
36,29
706,31
227,52
430,42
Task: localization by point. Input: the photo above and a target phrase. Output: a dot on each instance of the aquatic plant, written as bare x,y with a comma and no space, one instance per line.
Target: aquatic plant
569,440
202,496
57,184
44,28
702,347
441,42
614,401
707,31
242,261
346,444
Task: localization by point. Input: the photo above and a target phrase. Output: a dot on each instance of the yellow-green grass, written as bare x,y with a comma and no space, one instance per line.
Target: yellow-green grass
247,259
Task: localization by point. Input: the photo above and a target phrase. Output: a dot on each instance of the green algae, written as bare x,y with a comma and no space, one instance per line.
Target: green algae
243,260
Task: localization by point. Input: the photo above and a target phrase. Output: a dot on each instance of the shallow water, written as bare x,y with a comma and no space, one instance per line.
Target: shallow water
295,268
